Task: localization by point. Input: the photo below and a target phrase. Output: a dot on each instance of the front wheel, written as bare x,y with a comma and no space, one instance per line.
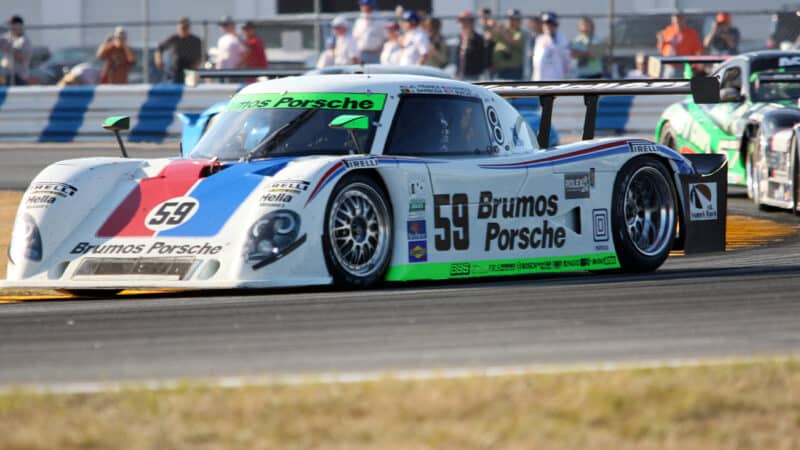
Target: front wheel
643,214
358,234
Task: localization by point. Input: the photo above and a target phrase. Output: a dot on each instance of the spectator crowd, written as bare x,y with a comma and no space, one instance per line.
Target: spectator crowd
488,47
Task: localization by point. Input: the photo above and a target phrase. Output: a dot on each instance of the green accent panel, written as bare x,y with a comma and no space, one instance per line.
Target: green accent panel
117,123
341,101
502,267
350,122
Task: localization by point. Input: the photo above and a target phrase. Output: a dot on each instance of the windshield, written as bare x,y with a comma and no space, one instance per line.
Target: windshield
264,125
776,86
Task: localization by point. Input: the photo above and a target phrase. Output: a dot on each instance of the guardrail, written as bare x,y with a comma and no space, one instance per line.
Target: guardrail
74,114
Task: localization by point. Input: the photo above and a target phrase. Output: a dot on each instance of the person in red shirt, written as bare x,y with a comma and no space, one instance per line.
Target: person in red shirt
118,58
678,39
255,57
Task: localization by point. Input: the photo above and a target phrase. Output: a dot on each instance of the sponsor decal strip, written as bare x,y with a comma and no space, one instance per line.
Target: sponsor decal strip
502,267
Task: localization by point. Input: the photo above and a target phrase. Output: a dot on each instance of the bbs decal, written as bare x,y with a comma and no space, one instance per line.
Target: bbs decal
171,213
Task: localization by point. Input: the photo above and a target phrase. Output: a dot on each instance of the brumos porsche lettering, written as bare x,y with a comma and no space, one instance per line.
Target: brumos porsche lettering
156,248
543,235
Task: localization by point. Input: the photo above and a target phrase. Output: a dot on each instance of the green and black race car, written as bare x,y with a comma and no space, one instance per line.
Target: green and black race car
756,124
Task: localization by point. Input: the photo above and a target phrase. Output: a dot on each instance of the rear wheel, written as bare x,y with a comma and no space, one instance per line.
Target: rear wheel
667,137
358,234
643,214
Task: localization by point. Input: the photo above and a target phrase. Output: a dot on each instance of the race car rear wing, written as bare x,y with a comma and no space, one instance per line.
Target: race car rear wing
703,89
193,76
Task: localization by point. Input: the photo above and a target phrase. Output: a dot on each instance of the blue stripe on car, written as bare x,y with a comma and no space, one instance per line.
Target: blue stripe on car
221,194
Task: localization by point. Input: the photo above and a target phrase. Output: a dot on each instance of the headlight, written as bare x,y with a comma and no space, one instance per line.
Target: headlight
26,241
272,236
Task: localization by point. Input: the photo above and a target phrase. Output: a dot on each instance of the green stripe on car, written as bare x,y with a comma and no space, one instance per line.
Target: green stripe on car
502,267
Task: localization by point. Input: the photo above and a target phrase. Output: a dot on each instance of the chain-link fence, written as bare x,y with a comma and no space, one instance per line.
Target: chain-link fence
294,41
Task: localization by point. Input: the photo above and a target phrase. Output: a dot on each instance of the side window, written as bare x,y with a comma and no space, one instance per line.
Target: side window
732,78
439,125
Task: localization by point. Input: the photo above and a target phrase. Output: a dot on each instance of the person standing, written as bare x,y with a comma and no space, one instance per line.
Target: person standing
369,33
118,58
415,41
550,54
18,51
678,39
723,39
437,48
345,51
534,30
471,49
230,50
255,55
508,47
488,25
184,51
327,57
392,48
585,53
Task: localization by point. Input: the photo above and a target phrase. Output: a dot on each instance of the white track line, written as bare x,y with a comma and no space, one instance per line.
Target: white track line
233,382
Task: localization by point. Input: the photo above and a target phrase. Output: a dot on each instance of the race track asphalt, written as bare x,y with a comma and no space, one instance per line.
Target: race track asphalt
739,304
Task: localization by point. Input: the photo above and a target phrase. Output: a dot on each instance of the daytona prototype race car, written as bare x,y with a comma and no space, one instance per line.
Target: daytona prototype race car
755,124
358,179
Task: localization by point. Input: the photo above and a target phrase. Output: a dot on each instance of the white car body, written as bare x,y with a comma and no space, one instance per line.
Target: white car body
527,210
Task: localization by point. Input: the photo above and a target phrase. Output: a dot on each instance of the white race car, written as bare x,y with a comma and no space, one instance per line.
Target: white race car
358,179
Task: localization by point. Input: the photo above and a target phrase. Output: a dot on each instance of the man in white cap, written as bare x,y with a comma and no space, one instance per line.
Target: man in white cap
369,33
415,41
229,48
345,51
550,53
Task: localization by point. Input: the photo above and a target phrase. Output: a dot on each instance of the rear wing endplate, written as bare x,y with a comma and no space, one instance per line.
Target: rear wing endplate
703,90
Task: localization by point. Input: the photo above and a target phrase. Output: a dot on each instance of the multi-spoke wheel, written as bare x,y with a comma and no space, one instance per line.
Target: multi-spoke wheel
643,214
358,232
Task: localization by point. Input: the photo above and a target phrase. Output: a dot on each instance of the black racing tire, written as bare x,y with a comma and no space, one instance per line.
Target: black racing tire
358,232
667,137
92,293
644,214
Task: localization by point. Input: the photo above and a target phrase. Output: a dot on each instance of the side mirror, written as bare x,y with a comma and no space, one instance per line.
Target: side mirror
730,95
351,123
117,124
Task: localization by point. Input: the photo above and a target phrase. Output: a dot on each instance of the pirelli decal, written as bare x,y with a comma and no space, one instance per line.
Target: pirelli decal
340,101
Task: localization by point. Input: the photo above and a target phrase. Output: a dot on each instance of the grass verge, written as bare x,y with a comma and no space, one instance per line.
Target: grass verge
737,406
